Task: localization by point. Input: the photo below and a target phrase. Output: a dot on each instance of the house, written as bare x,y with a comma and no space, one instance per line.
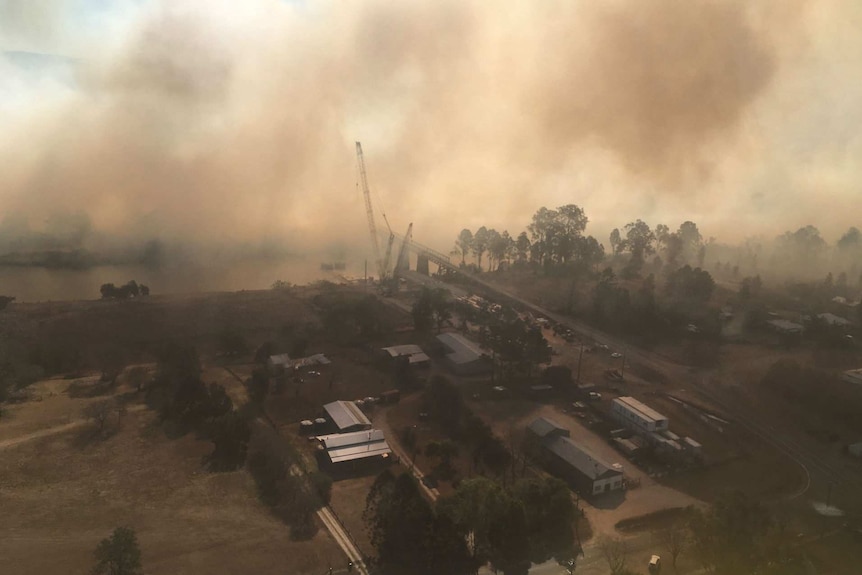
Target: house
833,320
784,327
278,363
414,353
348,449
589,474
464,357
316,359
638,416
346,417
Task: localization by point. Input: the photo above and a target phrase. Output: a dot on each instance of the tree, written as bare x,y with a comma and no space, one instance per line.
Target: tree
405,532
499,246
676,538
851,241
137,376
639,241
108,291
616,242
258,385
590,253
422,312
692,285
615,551
728,537
480,245
232,343
445,403
690,239
322,485
119,554
549,514
508,539
5,300
99,412
445,450
482,508
464,244
432,307
522,247
805,245
230,434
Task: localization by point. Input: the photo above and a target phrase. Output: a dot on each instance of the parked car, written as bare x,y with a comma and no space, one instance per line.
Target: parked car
616,355
654,566
594,396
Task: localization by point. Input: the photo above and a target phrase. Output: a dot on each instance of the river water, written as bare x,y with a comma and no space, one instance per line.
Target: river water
32,284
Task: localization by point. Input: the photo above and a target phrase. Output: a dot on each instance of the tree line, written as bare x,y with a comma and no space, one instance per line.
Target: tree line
483,522
128,290
554,238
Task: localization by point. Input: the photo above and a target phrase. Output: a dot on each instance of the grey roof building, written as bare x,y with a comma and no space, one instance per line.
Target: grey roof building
543,427
412,351
346,416
587,472
784,326
465,357
355,446
833,320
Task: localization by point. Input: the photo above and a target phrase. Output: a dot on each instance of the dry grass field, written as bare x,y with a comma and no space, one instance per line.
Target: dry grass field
61,493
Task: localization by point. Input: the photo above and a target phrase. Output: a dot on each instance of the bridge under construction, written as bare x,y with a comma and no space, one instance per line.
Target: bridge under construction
386,268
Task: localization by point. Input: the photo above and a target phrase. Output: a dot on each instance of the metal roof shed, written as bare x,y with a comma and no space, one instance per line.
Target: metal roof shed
465,357
355,446
412,351
543,427
346,416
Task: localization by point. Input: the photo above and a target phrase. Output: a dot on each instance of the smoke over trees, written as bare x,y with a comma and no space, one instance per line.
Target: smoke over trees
183,124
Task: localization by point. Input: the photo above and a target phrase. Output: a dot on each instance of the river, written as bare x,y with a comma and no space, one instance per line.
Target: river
32,284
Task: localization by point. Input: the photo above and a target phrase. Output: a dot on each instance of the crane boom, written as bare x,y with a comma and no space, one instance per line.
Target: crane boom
401,263
384,273
372,228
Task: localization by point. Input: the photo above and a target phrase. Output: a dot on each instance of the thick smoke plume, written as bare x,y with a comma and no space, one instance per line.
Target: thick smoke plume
214,125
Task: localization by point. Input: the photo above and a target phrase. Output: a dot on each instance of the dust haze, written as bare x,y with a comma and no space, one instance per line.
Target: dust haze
230,129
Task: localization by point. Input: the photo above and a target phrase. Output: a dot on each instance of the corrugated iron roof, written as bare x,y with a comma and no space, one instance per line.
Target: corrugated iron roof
542,427
462,350
346,414
577,457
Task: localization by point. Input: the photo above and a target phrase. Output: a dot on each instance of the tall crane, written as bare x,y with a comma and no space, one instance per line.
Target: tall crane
401,263
372,228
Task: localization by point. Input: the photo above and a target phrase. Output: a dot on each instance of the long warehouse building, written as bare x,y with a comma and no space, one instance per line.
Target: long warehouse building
638,416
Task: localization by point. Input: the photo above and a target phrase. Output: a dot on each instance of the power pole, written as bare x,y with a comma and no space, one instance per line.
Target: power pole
580,357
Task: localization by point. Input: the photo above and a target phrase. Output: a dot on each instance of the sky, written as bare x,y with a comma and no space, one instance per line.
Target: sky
224,124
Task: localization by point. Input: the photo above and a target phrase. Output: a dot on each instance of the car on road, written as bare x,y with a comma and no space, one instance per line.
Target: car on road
616,355
594,396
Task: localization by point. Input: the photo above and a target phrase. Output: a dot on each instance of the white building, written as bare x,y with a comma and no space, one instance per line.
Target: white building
638,416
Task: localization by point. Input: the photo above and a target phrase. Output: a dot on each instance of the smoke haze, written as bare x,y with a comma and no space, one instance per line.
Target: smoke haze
210,124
